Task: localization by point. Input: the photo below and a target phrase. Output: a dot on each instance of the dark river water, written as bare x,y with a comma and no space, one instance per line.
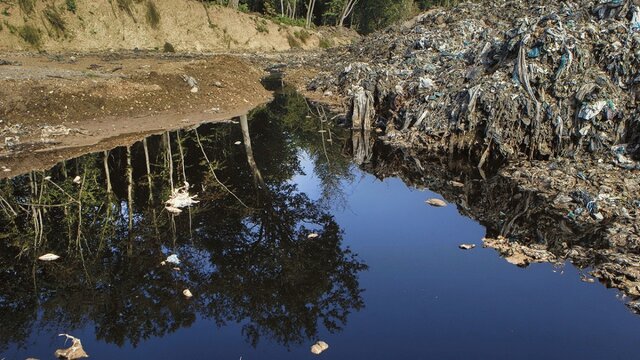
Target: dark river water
383,279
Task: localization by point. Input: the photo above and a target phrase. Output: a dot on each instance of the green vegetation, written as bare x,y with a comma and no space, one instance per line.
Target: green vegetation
293,42
303,35
362,15
326,43
30,34
168,47
153,15
53,17
126,6
72,6
261,26
27,6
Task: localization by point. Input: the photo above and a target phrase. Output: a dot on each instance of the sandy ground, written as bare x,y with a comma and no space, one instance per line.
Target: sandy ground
57,107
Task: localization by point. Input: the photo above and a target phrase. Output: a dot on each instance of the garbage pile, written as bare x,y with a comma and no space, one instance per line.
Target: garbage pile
502,79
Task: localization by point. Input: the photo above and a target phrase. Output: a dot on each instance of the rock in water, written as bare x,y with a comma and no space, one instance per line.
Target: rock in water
436,202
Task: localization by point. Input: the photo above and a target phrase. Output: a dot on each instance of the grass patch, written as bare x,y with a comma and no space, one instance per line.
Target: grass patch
168,47
72,6
303,35
53,17
126,6
261,26
293,42
326,43
288,21
153,15
30,34
27,6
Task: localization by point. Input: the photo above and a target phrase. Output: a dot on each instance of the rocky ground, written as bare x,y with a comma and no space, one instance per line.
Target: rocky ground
542,93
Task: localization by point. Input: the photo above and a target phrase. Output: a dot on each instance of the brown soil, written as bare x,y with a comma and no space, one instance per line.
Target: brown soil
188,25
57,107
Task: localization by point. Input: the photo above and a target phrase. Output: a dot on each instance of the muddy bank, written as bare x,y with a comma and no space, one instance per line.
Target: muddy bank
89,102
521,225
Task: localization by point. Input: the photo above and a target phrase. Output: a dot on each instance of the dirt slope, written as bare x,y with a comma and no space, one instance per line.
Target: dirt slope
188,25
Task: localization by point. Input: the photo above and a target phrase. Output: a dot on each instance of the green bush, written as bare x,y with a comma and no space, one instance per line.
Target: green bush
27,6
243,7
293,42
54,18
303,35
126,6
325,43
30,34
261,26
168,48
72,6
153,15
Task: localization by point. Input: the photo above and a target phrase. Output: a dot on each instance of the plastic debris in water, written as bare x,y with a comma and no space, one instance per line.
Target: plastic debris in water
172,259
436,202
187,293
180,198
49,257
75,351
467,246
319,347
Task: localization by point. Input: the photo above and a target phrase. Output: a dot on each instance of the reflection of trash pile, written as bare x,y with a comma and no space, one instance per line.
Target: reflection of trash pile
529,220
516,78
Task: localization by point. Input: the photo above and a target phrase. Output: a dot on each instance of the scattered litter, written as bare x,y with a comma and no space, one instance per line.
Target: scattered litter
180,198
193,83
238,142
319,347
467,246
436,202
312,236
171,259
75,351
587,279
77,180
49,257
456,184
187,293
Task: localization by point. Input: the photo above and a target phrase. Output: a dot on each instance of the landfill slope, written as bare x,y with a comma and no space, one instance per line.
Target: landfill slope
534,79
546,90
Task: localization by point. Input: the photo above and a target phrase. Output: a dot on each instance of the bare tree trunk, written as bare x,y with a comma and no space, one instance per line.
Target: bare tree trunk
282,7
129,189
346,11
146,157
169,158
257,176
310,7
107,174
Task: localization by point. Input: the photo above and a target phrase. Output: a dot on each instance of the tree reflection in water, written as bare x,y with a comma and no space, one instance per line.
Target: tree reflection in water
251,262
